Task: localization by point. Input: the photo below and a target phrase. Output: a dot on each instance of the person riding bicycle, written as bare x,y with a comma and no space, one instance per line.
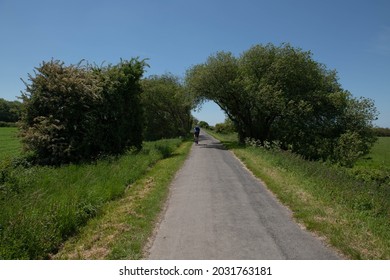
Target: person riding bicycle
196,134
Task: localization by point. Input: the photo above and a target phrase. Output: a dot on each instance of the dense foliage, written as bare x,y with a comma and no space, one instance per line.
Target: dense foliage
77,112
226,127
204,124
9,111
281,95
167,108
382,131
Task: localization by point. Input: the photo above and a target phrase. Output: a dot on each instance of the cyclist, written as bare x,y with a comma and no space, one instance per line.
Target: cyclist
196,134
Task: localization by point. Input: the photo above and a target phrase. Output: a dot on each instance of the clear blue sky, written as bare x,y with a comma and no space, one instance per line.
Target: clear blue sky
350,36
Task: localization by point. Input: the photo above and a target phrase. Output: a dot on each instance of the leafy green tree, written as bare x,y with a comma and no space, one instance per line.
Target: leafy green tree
204,124
281,94
120,113
167,107
10,110
217,80
58,105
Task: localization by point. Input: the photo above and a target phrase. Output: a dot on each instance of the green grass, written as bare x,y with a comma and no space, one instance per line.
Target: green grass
43,206
351,214
9,143
375,167
379,156
123,229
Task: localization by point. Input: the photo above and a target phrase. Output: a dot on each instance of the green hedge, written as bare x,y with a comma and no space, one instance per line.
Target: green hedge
78,112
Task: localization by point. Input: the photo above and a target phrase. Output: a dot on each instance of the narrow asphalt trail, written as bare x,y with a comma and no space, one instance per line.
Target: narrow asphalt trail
218,210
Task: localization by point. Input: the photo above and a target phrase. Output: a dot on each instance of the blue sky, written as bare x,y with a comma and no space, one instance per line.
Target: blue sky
351,36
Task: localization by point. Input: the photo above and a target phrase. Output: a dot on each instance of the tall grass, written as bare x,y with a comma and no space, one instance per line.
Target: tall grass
42,206
126,224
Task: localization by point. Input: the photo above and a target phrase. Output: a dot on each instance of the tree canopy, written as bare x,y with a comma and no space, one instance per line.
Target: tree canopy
282,95
167,107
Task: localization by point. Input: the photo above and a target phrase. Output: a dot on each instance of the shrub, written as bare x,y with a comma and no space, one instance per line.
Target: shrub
76,112
225,127
349,148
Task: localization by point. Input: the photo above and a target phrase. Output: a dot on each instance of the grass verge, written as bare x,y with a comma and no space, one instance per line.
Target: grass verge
123,228
43,206
351,214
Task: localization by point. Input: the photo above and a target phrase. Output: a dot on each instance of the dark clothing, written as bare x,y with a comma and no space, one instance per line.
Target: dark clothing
197,131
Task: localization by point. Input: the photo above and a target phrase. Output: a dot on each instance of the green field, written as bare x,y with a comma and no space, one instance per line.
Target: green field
375,166
9,143
379,156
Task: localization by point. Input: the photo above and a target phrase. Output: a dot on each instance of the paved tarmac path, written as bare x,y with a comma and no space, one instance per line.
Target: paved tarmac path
218,210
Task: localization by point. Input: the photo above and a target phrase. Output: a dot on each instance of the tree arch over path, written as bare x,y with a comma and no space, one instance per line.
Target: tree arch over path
281,94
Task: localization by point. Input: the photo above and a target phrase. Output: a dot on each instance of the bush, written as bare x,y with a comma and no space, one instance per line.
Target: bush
349,149
73,113
226,127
